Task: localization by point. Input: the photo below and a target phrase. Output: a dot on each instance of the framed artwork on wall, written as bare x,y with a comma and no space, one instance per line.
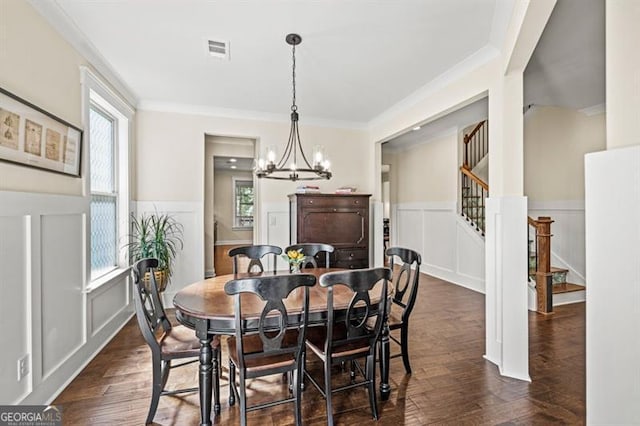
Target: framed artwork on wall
31,136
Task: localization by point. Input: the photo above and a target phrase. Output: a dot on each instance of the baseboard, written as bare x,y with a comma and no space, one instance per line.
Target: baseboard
42,395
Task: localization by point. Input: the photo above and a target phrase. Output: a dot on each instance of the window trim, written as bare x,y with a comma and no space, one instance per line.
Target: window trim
95,91
234,217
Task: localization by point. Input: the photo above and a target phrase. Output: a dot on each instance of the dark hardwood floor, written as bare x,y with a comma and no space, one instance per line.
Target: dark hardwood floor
451,382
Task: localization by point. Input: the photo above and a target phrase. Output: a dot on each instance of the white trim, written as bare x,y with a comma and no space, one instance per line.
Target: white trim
106,279
56,16
480,57
232,242
594,110
82,366
95,91
211,111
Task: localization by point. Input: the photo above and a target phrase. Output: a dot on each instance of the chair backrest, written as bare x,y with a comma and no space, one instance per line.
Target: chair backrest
406,281
272,324
361,312
310,250
149,310
254,253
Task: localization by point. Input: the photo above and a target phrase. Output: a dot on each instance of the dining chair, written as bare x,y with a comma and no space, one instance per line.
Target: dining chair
405,291
354,336
311,251
168,344
255,253
269,346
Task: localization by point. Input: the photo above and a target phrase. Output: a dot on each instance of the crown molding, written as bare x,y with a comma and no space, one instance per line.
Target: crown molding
210,111
470,63
66,27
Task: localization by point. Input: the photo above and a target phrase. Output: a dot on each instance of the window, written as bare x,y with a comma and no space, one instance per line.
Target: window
242,203
107,124
104,191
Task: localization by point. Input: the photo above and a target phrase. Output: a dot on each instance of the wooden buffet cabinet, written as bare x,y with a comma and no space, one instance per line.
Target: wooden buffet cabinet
336,219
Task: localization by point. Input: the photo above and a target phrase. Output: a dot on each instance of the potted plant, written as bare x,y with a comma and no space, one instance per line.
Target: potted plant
156,235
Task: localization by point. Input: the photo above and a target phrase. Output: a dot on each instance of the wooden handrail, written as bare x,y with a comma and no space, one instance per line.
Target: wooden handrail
474,131
473,177
531,221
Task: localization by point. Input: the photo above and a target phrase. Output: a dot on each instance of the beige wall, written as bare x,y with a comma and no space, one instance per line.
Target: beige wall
38,65
161,134
427,172
555,142
223,205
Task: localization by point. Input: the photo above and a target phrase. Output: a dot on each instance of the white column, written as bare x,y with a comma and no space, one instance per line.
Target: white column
507,328
612,209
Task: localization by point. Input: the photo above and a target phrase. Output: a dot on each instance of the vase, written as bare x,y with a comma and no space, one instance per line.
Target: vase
295,268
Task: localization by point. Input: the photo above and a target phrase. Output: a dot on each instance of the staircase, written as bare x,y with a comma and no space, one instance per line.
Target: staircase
474,187
550,282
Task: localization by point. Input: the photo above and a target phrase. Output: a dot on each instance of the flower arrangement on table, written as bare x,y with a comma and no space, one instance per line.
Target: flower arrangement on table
295,259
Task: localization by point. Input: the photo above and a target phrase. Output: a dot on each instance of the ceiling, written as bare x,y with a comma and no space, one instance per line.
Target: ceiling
567,68
357,58
450,123
240,164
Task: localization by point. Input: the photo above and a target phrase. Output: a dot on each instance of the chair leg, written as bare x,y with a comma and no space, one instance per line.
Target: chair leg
297,392
216,383
166,367
302,368
352,371
232,384
327,391
404,343
243,400
156,388
371,378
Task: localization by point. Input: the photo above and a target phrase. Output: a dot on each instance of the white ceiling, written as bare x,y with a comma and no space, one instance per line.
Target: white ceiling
357,58
567,68
450,123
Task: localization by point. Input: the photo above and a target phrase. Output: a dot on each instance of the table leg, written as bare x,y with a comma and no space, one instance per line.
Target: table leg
206,367
216,382
385,389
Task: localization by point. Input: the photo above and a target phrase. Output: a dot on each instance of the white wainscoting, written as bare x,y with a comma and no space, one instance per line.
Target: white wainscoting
47,314
189,263
568,229
450,249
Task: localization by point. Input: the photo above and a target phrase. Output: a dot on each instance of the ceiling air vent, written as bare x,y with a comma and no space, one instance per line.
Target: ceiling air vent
219,49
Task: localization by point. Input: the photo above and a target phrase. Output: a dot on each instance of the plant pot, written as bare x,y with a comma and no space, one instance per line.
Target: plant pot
162,279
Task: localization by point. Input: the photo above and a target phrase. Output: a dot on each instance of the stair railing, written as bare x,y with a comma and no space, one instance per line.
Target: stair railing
474,192
542,265
476,144
474,189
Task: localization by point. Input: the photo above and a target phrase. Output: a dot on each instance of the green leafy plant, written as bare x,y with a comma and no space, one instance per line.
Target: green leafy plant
156,235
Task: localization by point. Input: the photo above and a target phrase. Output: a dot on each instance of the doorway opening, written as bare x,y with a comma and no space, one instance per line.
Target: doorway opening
229,200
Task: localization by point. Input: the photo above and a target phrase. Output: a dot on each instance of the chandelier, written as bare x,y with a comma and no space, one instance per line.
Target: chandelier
291,167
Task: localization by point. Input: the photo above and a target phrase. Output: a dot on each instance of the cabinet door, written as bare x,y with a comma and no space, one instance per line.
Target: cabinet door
334,226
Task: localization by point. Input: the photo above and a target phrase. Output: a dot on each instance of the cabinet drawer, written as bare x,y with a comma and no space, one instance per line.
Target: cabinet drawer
335,202
351,264
352,254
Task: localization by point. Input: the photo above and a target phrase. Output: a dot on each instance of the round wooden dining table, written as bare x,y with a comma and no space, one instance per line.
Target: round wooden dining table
205,307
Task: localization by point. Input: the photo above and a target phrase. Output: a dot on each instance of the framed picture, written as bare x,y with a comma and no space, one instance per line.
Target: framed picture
32,137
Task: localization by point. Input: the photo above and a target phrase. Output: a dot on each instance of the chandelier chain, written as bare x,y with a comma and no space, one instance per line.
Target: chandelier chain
294,107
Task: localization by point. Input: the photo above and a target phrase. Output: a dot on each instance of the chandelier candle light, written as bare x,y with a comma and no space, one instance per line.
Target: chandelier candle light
288,168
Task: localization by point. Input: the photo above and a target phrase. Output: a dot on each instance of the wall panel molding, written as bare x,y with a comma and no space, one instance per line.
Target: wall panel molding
450,249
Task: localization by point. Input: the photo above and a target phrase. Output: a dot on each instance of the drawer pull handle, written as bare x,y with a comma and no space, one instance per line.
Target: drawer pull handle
350,254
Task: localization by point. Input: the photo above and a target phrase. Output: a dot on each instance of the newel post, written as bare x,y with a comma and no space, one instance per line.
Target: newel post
544,280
